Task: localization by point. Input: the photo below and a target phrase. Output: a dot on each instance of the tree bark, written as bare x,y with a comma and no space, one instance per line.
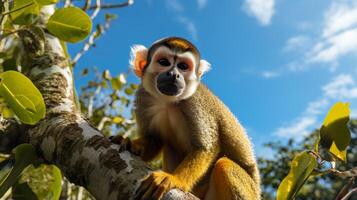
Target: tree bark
66,139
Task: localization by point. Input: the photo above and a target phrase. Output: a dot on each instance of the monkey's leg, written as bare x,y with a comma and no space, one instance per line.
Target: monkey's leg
230,181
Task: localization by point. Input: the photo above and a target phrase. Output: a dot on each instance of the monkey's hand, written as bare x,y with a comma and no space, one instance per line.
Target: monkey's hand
157,184
127,145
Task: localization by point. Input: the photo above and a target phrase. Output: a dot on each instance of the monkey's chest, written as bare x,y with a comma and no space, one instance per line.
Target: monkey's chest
172,127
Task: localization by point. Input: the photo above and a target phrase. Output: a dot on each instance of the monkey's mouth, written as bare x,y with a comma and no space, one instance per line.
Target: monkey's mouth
170,89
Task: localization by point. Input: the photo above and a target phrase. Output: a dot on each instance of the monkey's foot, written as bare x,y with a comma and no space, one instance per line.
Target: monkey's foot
157,184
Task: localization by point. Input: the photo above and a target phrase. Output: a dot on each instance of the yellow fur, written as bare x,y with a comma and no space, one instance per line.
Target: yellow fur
205,149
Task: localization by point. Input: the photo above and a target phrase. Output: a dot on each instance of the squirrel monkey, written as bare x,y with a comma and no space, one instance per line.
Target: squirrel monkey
205,149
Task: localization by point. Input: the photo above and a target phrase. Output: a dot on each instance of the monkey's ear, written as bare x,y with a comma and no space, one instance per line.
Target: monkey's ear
138,59
203,68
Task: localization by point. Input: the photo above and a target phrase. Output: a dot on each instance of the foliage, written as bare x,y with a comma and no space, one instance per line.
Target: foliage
22,97
318,186
106,101
24,155
70,24
335,136
108,104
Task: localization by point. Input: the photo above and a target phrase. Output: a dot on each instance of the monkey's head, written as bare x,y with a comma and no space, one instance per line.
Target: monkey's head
170,69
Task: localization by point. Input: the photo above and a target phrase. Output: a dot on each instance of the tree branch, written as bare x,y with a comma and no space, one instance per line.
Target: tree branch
66,139
111,6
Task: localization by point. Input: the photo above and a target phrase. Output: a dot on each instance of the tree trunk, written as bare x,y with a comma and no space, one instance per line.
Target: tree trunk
66,139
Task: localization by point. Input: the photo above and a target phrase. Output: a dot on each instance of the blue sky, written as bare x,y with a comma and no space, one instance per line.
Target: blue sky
278,65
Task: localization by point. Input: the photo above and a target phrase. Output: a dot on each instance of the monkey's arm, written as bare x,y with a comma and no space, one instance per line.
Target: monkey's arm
194,166
147,147
190,170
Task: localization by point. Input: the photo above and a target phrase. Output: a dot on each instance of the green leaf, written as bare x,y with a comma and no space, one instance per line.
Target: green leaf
301,168
46,2
117,120
70,24
118,82
25,155
334,132
22,191
56,184
22,97
129,91
134,86
24,12
5,168
35,177
316,144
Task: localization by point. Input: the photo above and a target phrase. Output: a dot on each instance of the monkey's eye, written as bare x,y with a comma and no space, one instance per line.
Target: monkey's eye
182,66
164,62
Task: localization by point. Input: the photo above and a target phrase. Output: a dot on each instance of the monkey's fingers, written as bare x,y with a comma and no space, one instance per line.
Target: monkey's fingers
143,187
147,192
164,187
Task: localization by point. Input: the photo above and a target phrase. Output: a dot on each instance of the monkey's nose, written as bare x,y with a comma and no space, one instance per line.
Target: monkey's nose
170,73
173,75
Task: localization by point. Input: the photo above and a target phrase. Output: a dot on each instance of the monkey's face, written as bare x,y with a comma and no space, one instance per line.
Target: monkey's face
172,74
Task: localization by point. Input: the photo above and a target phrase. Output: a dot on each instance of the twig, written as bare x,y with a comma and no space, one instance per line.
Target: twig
17,9
7,34
91,101
102,122
94,35
97,9
349,194
345,189
345,174
110,6
4,156
67,3
86,5
7,194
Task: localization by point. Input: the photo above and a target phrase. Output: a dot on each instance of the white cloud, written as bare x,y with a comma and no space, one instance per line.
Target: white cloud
201,3
174,5
296,43
297,129
316,107
339,17
269,74
337,38
339,34
334,47
190,26
342,88
263,10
